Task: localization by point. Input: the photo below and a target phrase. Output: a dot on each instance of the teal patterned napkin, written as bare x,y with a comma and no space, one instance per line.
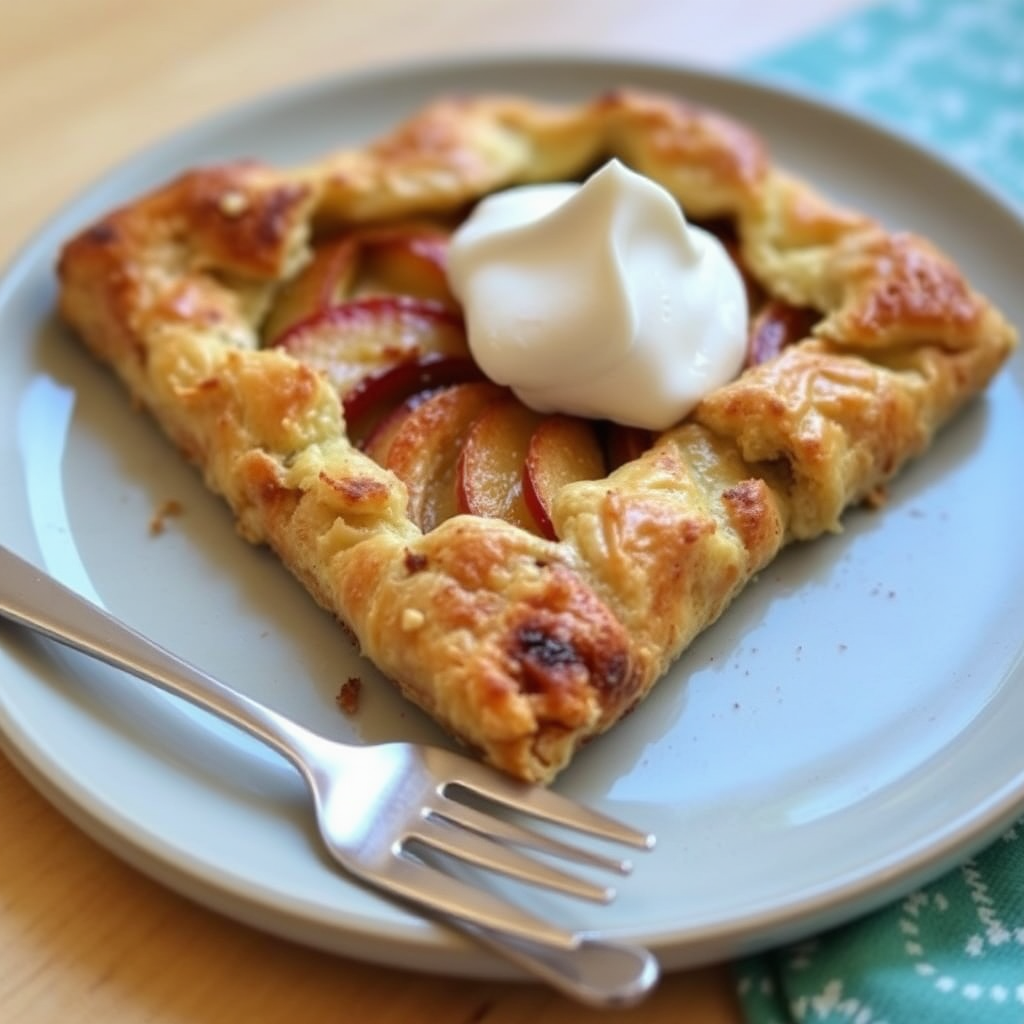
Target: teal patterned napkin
950,953
950,74
947,73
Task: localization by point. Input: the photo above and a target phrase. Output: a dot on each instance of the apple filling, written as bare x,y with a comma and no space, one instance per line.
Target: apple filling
373,312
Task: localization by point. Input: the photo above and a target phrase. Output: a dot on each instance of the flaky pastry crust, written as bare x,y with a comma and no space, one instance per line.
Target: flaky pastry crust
521,647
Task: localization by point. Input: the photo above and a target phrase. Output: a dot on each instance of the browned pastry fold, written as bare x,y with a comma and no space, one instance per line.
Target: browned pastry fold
525,648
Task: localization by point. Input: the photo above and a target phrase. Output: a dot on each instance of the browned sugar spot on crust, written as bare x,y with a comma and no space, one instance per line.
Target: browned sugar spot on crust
916,287
272,492
553,662
263,482
752,514
745,499
357,490
545,658
546,649
414,562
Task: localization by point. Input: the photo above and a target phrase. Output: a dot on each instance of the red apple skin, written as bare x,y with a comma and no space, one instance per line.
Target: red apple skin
562,450
424,446
375,392
624,444
361,337
322,283
489,474
407,261
377,438
776,325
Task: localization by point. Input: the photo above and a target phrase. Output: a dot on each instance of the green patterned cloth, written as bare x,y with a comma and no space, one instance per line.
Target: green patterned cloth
950,74
949,953
947,73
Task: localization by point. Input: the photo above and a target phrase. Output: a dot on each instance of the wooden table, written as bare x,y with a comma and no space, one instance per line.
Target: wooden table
83,937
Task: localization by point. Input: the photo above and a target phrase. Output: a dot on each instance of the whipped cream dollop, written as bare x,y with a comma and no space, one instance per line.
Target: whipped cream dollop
599,299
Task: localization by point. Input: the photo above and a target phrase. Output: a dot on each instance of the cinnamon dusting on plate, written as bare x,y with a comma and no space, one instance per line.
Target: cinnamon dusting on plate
348,695
167,510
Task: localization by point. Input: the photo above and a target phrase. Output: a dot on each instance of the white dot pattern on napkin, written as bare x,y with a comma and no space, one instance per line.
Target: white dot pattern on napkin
948,73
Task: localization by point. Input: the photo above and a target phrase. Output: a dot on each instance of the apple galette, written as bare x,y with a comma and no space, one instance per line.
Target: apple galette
519,424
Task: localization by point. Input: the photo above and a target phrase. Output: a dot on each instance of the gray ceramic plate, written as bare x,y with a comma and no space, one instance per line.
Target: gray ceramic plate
849,727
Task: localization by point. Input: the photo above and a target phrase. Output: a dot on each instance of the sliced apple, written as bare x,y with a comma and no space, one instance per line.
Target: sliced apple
423,447
562,450
406,261
376,441
624,444
378,425
776,325
374,393
489,474
322,283
362,337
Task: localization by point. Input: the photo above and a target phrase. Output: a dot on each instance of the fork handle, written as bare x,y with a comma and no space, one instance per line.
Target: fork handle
31,598
596,972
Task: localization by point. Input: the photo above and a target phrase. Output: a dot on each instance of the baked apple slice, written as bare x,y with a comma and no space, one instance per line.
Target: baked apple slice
422,447
324,282
406,261
624,444
356,339
562,450
377,440
376,393
489,474
776,325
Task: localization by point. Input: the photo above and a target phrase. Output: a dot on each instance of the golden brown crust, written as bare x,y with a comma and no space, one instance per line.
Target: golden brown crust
524,648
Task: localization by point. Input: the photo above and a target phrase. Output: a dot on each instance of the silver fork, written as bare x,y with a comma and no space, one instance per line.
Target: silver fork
387,812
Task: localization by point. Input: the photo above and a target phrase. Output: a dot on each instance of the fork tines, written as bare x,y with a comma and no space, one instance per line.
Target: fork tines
456,827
